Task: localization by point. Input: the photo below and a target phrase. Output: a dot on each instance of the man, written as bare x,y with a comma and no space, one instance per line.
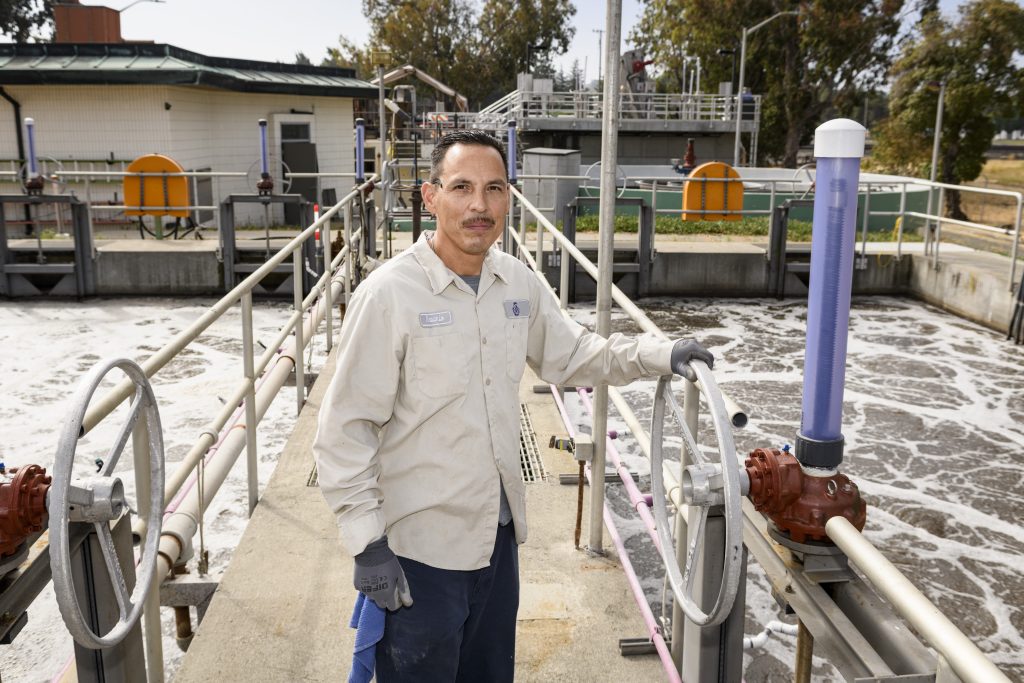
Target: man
417,448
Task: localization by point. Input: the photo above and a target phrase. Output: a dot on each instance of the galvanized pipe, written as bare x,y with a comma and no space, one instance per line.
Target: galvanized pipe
963,656
300,367
804,654
606,227
250,402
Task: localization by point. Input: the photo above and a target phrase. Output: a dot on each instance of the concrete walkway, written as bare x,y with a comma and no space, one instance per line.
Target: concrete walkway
282,608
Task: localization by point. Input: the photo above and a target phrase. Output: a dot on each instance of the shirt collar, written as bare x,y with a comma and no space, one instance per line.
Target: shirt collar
440,275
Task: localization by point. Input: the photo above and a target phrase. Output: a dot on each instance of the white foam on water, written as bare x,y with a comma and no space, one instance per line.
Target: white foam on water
49,346
933,417
934,426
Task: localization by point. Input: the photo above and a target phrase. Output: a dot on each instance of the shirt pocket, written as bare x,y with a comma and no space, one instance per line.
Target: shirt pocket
515,348
438,365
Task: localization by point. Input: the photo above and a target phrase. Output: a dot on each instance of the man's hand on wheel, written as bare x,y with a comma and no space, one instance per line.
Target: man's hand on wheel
686,350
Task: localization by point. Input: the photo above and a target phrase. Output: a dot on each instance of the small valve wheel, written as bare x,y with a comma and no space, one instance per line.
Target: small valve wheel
704,485
99,500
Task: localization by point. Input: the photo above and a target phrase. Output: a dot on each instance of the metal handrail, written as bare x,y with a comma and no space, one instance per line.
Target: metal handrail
961,654
867,186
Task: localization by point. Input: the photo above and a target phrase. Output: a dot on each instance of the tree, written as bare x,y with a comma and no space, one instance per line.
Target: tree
22,20
805,67
978,60
301,58
507,28
478,55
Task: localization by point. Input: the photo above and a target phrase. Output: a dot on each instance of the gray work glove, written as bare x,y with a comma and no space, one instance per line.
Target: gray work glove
379,576
686,350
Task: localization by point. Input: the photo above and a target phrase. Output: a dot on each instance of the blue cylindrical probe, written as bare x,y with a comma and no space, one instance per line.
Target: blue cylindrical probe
360,150
30,128
839,146
512,152
264,158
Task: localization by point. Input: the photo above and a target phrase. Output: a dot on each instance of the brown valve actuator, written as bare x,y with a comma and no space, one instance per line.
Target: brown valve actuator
799,503
22,506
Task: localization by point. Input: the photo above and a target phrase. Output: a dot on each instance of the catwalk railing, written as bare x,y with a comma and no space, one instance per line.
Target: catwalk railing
957,655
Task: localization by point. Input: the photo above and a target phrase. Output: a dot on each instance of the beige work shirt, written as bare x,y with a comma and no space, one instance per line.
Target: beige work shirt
420,424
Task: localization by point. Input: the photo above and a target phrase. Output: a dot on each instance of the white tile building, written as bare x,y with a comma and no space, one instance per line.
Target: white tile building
99,106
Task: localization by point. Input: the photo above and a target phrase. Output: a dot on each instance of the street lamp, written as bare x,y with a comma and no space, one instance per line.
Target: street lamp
938,126
932,207
739,92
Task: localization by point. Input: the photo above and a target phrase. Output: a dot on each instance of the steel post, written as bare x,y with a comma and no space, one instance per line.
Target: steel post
249,401
609,156
300,366
864,227
1016,243
938,227
325,235
691,408
152,641
347,220
902,219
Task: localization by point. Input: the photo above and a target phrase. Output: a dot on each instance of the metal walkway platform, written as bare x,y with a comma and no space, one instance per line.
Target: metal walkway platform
282,609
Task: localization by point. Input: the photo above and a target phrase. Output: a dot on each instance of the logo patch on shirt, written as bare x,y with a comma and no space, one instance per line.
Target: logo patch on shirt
438,319
517,308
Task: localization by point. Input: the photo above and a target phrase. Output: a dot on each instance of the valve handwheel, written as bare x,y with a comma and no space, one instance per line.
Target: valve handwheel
100,500
705,485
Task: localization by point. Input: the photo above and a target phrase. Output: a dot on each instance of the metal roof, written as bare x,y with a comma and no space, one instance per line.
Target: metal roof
156,64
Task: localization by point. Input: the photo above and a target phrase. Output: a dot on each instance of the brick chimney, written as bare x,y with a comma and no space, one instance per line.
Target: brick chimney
77,23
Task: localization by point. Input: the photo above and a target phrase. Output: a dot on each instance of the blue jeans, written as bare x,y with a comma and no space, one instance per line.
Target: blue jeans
462,624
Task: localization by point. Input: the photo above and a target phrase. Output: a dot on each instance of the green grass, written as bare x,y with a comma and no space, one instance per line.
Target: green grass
752,226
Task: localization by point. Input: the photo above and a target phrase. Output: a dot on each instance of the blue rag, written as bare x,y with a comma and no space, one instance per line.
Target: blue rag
368,620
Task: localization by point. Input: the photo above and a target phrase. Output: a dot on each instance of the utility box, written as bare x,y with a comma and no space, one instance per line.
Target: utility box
551,194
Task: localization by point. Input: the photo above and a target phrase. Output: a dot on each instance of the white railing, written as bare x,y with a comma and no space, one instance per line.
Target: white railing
955,650
194,482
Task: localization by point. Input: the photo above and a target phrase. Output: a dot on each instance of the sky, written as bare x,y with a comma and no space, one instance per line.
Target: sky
259,29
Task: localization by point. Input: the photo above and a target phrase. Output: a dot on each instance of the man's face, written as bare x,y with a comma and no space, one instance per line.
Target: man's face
471,199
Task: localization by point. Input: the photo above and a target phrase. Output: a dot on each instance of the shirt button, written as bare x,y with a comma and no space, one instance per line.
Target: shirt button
487,381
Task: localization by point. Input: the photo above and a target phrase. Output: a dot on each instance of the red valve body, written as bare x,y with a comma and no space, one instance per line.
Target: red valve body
799,503
22,506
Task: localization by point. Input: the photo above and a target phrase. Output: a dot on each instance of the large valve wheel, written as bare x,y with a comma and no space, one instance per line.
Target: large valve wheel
100,500
704,485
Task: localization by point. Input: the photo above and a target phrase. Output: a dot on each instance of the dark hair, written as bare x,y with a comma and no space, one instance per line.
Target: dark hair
463,137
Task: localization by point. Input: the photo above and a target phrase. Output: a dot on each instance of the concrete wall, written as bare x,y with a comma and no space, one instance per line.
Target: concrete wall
198,127
979,294
637,148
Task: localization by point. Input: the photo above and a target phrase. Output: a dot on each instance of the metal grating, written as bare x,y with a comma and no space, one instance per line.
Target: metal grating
529,455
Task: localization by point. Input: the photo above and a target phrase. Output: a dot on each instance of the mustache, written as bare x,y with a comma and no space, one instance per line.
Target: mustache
477,219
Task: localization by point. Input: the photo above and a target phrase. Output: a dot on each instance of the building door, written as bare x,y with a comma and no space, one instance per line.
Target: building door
299,155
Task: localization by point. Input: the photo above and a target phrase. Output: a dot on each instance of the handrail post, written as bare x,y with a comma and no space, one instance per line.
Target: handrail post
325,236
691,406
1016,241
347,217
153,642
903,219
938,227
863,262
522,230
539,253
300,346
250,401
609,152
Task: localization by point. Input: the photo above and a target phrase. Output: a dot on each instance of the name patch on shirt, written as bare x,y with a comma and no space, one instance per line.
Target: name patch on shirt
438,319
517,308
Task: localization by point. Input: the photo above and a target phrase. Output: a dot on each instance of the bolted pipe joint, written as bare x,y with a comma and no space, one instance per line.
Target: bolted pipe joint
22,506
798,503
